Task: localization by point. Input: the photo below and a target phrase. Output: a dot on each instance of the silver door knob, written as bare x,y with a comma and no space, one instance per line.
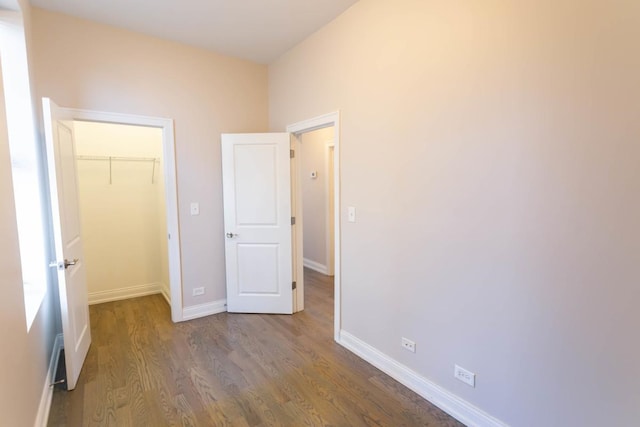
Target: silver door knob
68,263
231,235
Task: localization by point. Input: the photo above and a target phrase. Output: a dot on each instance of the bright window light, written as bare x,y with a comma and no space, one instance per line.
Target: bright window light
25,161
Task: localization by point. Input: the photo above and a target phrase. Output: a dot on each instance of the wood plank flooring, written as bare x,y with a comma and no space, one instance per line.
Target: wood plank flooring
231,370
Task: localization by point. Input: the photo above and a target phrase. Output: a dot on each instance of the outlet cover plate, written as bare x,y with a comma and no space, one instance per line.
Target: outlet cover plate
464,375
408,345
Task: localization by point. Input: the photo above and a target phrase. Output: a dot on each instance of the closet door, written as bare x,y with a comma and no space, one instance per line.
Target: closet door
72,282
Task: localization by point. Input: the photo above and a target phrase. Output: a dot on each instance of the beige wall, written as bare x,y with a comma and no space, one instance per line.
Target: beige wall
93,66
313,157
25,355
491,149
122,210
15,402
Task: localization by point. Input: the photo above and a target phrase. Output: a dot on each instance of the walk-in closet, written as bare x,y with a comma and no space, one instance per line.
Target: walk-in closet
122,210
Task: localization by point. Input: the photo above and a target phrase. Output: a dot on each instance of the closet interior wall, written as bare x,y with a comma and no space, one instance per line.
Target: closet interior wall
122,210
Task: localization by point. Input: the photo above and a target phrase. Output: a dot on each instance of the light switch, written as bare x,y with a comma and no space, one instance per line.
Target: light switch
351,214
195,208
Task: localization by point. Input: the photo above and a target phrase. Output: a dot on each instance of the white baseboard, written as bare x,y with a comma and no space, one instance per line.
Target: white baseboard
453,405
42,417
124,293
203,310
316,266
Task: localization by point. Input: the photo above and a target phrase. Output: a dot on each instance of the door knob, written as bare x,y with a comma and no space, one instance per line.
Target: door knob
231,235
68,263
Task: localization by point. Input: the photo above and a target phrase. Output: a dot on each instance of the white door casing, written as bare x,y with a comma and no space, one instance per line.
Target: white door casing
171,190
257,218
69,262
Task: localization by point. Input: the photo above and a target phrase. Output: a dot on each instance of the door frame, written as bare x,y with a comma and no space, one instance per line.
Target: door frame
297,130
170,189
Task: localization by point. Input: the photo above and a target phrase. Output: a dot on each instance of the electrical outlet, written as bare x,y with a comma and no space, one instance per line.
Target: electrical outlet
408,345
464,376
197,292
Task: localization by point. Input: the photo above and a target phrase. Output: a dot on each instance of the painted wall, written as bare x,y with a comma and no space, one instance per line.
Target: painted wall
25,355
14,401
491,149
82,64
122,210
315,193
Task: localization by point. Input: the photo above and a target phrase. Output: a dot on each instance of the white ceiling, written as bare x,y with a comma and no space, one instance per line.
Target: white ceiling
257,30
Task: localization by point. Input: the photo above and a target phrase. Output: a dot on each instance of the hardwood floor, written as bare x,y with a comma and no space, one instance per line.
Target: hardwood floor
231,369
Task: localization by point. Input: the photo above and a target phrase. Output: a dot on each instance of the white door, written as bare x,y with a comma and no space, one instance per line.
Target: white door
257,218
69,262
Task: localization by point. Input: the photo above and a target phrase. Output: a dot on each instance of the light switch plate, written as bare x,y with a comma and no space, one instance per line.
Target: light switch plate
351,214
195,208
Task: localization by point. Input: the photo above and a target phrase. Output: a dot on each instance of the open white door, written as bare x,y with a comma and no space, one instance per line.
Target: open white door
257,218
69,262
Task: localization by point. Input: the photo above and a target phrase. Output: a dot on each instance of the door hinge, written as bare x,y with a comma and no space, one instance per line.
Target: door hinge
294,285
293,220
292,153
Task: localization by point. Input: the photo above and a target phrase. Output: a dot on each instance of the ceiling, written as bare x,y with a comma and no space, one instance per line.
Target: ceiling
257,30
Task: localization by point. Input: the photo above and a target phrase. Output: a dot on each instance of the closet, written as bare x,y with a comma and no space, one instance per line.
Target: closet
122,210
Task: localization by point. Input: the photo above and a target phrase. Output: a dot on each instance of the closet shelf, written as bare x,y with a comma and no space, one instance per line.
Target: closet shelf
125,159
111,159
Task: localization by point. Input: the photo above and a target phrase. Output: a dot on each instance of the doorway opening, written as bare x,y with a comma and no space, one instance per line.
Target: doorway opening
122,210
316,182
325,128
135,161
